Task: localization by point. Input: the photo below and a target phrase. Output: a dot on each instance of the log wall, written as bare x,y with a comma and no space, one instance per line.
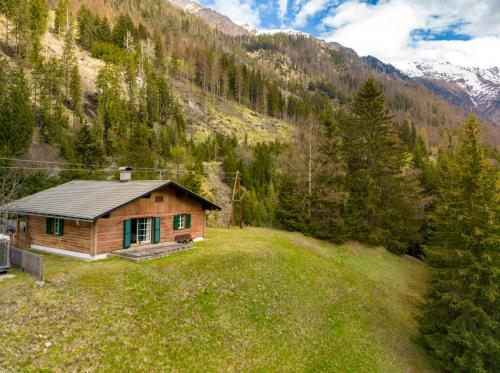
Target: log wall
76,237
164,204
106,234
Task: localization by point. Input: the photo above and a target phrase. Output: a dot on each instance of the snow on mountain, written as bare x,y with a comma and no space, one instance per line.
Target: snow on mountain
471,87
223,23
478,82
283,31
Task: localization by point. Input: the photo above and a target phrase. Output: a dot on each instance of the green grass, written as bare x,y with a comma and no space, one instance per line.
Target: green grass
250,300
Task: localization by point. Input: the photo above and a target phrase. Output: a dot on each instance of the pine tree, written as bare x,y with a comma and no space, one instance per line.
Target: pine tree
62,17
87,148
461,318
16,118
75,91
112,113
22,22
38,17
138,150
384,202
68,60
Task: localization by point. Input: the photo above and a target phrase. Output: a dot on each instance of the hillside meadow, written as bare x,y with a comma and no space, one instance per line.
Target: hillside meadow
244,300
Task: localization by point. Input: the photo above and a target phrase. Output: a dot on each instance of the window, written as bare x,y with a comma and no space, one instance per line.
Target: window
54,226
159,199
182,221
58,227
144,230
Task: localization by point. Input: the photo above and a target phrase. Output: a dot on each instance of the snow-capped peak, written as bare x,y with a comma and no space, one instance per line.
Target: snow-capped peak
474,88
479,83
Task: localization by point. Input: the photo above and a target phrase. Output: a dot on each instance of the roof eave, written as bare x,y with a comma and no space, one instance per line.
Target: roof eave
204,201
68,217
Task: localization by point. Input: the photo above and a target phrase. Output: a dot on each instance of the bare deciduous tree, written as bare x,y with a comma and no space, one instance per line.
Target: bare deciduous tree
11,182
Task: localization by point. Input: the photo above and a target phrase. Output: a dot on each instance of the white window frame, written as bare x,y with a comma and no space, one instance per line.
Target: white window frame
144,229
182,221
57,226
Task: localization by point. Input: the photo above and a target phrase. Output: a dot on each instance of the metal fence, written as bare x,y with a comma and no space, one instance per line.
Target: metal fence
4,255
29,262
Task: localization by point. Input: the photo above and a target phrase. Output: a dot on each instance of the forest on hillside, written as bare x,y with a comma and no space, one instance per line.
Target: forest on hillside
365,161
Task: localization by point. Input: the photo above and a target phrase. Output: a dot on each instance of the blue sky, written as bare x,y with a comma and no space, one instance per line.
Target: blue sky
463,32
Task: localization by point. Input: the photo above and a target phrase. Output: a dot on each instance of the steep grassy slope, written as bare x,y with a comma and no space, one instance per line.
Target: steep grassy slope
256,299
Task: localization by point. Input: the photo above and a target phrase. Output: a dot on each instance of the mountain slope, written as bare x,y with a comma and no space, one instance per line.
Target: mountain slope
336,71
243,300
475,89
221,22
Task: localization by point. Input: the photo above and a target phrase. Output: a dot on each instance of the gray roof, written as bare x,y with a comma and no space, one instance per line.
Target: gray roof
89,199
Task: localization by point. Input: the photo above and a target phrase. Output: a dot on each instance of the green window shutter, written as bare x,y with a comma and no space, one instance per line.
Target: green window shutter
176,222
127,230
61,227
49,225
157,230
188,221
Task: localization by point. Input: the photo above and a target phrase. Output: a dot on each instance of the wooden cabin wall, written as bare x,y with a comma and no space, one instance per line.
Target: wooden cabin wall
75,237
109,231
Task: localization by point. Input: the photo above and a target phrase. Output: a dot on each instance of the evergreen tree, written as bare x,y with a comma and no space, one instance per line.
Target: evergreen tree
124,32
86,27
112,114
62,19
22,22
75,91
21,116
138,150
16,118
384,204
88,149
461,318
38,17
68,60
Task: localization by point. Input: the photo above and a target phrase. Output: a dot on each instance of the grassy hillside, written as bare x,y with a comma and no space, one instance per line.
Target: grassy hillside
256,299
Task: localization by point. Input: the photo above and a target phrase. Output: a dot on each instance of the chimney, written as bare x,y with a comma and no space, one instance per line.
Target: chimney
125,174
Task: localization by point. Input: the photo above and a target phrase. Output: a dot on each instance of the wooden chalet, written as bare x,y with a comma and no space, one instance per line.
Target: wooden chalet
90,219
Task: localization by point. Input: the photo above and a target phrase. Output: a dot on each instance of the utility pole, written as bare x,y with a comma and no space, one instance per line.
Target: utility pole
309,169
236,191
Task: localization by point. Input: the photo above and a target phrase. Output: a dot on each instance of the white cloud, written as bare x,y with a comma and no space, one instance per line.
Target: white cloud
309,9
483,51
385,30
282,9
240,11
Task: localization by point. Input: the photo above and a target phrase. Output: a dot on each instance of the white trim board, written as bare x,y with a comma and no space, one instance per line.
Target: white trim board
74,254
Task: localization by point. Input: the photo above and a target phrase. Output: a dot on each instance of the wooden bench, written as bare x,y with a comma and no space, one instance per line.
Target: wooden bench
184,238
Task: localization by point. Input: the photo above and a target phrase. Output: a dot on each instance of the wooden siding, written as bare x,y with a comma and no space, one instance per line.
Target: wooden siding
75,237
22,239
109,231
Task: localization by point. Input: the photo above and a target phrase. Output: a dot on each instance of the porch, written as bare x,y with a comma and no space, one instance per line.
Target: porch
144,252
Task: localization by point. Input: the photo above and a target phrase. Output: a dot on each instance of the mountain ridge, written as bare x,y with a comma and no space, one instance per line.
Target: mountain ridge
474,89
211,16
480,86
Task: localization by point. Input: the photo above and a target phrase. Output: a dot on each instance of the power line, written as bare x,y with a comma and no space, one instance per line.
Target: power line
90,166
109,170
